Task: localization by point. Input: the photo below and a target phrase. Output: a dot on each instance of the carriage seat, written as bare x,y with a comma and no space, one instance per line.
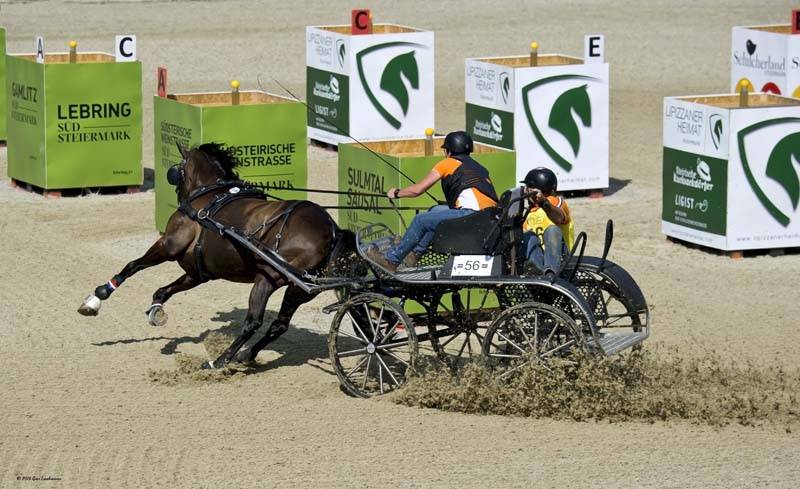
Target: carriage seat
482,233
466,235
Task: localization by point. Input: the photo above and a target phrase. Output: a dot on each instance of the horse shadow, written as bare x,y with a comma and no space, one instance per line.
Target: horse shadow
298,346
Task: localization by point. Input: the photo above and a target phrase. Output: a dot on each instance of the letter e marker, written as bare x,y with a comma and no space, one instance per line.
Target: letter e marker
594,46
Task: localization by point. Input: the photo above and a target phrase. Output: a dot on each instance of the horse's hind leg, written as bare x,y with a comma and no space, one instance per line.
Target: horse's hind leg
155,313
263,287
292,299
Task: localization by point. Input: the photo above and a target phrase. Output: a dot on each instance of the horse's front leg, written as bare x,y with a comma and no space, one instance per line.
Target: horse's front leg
165,249
155,313
293,299
263,287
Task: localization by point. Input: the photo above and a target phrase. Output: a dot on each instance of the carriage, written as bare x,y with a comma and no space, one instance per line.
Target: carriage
469,298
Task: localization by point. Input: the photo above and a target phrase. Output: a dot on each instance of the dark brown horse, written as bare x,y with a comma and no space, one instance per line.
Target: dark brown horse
301,232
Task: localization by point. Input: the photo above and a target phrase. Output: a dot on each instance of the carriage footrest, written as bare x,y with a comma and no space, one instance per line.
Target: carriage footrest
613,343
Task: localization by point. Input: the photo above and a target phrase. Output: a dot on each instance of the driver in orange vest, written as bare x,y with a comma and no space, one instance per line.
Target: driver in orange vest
467,188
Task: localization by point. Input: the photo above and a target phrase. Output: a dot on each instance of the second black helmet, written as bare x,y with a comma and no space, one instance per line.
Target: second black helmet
458,143
542,178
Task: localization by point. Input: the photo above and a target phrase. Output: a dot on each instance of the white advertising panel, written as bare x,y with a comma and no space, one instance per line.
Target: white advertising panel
561,122
489,85
763,174
372,86
760,56
696,128
392,85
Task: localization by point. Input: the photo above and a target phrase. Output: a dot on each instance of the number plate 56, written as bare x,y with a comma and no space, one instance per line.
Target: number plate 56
472,266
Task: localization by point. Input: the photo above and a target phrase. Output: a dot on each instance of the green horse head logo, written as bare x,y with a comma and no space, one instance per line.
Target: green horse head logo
400,71
780,167
572,103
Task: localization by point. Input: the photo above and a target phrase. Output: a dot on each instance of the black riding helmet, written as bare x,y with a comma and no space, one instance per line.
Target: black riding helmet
458,143
542,178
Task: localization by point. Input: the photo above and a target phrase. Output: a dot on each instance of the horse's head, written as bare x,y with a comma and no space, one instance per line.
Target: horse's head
200,167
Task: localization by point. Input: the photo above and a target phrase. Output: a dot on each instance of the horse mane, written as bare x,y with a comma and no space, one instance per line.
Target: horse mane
224,157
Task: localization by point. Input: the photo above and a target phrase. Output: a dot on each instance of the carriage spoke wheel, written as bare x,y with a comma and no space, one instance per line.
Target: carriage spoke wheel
372,344
457,324
530,333
611,308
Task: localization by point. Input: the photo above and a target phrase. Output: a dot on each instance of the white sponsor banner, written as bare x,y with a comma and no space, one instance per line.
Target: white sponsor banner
693,235
761,56
391,85
489,85
561,122
696,128
763,196
793,68
327,50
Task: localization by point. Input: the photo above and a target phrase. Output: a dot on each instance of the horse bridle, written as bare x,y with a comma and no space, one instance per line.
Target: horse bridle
176,174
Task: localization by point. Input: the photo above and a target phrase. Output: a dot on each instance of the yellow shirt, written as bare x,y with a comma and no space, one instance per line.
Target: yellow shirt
537,221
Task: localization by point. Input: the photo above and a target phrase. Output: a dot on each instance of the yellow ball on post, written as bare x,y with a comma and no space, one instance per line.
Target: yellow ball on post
235,92
534,61
429,141
73,52
744,87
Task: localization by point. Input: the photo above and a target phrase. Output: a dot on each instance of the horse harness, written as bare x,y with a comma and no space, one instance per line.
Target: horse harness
236,190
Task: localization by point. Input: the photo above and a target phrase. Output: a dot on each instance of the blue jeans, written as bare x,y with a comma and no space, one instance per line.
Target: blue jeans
550,257
421,231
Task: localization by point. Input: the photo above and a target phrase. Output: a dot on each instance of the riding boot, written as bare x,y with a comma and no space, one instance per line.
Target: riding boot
412,259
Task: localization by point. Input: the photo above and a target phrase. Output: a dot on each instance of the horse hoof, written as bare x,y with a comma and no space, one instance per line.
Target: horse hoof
213,364
245,357
90,306
156,315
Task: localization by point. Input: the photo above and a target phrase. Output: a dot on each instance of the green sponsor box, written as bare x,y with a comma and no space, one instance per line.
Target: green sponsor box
266,132
554,114
361,171
372,86
730,174
2,84
74,125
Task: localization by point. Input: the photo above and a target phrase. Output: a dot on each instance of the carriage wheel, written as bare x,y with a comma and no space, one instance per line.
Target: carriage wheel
530,333
457,323
610,306
372,344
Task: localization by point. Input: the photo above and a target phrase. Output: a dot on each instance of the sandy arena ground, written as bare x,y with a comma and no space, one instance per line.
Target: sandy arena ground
75,400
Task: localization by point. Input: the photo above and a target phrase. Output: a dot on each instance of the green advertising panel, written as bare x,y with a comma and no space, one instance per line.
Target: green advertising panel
695,191
268,139
2,84
25,121
362,172
175,123
94,124
75,125
490,126
327,95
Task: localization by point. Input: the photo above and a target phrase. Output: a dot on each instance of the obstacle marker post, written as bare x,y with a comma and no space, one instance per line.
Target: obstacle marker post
73,52
744,91
429,141
235,92
534,54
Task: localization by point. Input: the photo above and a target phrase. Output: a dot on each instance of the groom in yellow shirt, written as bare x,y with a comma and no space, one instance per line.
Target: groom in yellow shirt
548,229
